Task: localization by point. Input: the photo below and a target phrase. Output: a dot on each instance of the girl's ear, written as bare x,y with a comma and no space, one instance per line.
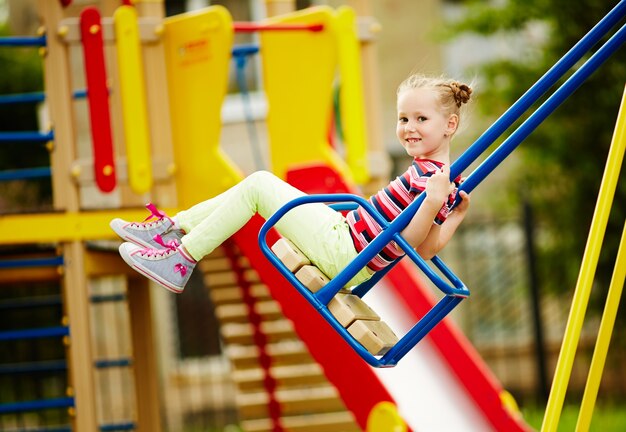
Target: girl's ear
453,123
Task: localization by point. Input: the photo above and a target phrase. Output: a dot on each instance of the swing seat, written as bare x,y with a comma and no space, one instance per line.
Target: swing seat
344,310
360,320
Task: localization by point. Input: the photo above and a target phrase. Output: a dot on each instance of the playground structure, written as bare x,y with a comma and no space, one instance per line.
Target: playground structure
192,53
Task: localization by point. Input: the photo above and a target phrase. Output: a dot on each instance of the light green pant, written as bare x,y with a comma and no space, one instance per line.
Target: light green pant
320,232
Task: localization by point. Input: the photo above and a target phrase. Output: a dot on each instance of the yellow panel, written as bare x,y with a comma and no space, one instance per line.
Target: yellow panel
198,51
351,101
64,227
133,98
299,68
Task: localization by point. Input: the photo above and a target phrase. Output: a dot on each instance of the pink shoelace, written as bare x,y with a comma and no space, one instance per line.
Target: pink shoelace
154,213
169,247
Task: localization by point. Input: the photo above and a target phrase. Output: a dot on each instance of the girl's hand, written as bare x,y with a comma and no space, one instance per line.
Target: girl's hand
438,186
464,204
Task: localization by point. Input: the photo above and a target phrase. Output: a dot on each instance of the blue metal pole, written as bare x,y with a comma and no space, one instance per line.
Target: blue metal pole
31,262
33,97
26,136
538,89
27,173
16,98
37,41
36,405
36,333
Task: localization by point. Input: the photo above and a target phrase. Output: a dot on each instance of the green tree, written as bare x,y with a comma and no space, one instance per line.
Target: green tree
562,162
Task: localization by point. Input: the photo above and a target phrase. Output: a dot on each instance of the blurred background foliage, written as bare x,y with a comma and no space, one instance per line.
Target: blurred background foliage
21,73
562,162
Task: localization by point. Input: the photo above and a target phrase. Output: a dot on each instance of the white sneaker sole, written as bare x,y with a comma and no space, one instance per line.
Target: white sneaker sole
147,273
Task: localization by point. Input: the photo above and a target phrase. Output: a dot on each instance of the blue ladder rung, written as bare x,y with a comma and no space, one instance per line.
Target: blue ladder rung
26,136
42,429
117,427
33,97
36,405
111,427
58,366
111,363
31,262
37,333
34,41
105,298
33,367
32,302
26,173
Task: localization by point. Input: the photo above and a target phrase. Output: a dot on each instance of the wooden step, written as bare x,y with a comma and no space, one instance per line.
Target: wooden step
215,264
289,254
292,401
242,333
232,294
342,421
296,375
376,336
348,308
238,312
229,278
282,353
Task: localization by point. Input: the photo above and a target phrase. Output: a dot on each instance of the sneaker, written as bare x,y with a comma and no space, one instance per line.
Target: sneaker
142,233
169,267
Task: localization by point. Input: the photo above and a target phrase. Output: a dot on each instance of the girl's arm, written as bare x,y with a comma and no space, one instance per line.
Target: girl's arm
439,235
438,188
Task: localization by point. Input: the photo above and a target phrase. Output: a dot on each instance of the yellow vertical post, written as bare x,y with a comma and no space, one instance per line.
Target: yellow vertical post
147,132
351,97
604,338
610,309
157,99
586,274
198,48
133,98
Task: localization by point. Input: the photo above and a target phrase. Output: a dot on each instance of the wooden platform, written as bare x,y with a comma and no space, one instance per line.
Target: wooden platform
350,310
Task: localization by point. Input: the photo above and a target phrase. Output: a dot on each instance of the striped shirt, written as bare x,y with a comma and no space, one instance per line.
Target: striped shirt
390,202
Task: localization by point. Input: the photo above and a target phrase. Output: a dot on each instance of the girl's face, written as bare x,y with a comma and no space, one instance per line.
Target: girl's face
423,129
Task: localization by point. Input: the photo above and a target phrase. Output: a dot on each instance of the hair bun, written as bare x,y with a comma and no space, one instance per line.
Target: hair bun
461,92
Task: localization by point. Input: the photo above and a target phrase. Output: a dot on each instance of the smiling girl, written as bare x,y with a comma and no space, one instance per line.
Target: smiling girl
166,249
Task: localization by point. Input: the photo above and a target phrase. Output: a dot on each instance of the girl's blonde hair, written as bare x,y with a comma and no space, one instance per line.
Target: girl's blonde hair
452,94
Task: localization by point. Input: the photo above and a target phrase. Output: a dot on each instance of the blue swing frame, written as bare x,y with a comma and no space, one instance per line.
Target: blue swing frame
453,288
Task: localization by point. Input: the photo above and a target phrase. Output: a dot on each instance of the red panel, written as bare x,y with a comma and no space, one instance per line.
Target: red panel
98,96
317,179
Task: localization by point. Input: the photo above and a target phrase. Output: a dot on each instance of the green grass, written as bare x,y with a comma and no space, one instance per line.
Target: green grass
606,418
